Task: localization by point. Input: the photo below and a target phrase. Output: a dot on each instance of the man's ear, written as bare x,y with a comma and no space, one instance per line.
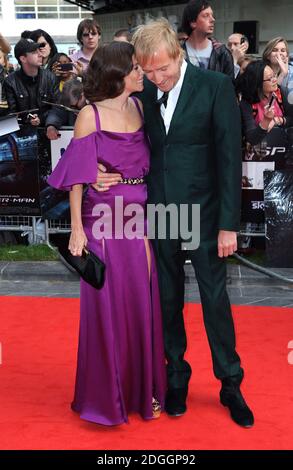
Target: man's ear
22,59
193,25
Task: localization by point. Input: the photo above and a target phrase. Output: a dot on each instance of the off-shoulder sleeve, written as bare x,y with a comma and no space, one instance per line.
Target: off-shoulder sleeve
78,164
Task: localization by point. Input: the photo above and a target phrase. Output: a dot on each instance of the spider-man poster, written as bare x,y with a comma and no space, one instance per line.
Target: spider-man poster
19,175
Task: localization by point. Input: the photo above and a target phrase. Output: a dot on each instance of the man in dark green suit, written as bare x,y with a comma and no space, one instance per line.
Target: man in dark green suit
196,159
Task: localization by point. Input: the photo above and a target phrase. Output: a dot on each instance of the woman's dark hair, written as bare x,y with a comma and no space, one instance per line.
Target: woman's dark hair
37,33
191,12
88,24
106,71
250,83
71,92
26,34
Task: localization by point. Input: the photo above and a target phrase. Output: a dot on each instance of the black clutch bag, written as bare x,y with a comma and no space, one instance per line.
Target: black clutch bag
88,266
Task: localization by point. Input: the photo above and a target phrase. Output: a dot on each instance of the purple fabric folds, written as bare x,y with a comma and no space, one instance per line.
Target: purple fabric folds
121,364
78,164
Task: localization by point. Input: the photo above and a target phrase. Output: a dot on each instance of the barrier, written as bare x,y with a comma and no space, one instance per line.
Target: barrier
30,206
27,204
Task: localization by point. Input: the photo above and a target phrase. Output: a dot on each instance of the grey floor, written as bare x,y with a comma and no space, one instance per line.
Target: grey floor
53,279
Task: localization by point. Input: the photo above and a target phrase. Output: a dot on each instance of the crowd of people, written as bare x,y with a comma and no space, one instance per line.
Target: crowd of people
42,71
172,137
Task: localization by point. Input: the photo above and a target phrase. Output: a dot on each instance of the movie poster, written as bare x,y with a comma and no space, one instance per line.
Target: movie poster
278,197
19,180
269,155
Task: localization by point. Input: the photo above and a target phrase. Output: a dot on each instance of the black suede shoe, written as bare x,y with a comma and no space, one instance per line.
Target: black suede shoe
175,404
231,396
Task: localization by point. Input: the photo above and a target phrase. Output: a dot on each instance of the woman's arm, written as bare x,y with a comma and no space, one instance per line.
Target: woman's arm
283,68
78,238
85,125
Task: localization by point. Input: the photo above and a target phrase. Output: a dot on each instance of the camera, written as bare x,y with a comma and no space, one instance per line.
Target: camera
66,67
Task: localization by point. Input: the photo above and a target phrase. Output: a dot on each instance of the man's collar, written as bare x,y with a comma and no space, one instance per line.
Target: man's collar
29,77
179,82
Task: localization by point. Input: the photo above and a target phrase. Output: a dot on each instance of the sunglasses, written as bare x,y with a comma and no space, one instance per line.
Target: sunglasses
87,35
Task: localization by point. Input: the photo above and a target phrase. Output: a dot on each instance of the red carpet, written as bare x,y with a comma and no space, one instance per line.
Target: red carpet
39,341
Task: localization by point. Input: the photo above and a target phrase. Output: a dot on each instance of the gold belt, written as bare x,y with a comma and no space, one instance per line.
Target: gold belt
132,180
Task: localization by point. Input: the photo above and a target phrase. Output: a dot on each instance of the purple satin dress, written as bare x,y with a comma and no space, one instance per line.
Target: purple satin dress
121,362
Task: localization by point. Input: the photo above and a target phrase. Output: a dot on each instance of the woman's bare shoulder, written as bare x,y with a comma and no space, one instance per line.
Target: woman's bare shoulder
139,103
85,123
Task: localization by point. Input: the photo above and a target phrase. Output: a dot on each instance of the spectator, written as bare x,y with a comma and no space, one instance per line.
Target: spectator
238,44
48,48
56,66
88,36
3,75
181,35
122,35
26,34
201,49
276,55
27,87
4,45
72,97
244,61
261,105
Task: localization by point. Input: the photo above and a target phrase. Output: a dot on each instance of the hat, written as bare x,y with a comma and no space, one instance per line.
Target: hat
24,46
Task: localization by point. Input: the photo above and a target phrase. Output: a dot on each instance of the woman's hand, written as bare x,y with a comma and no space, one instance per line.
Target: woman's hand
77,241
56,69
283,64
269,112
79,68
267,123
279,121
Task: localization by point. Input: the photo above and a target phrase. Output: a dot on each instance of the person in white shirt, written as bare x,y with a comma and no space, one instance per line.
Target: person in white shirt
193,122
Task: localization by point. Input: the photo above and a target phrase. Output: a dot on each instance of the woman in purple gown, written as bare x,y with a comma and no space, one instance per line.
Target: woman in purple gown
121,366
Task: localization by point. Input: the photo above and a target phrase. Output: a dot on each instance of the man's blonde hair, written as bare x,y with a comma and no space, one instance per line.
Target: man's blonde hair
148,38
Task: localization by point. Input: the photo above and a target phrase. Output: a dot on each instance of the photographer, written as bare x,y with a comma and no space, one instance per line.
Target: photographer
72,98
27,87
62,66
238,46
264,117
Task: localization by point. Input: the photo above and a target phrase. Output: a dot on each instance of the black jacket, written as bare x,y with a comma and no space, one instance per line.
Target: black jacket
24,92
221,59
3,100
58,117
252,132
